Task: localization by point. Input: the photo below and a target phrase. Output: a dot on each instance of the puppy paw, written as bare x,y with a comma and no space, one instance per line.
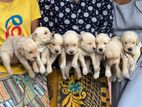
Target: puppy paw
10,72
79,76
36,70
126,75
62,67
64,77
49,70
96,75
112,78
120,79
74,65
43,61
32,75
97,69
67,74
132,68
42,69
108,74
85,71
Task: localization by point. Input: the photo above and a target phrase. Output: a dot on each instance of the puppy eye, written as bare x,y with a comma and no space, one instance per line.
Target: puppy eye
133,42
125,43
74,44
115,57
45,33
53,44
105,43
67,45
30,52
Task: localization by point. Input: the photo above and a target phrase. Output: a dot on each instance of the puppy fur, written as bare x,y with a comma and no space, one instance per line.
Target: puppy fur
25,50
69,54
131,45
52,51
101,40
113,54
87,48
41,37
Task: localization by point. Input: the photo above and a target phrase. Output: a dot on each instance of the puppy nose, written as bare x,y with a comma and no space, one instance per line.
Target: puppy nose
100,49
129,49
94,49
57,51
71,52
34,58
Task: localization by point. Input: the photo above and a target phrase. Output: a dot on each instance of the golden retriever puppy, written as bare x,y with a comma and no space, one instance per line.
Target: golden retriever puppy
101,40
41,37
87,48
69,54
24,49
113,54
53,49
131,45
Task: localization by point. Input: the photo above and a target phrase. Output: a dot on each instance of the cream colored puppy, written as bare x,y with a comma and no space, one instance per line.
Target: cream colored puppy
69,54
113,54
131,45
101,40
87,48
41,37
25,50
52,51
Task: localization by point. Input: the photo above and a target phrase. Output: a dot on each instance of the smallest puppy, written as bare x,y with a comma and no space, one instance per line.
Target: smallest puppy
69,54
101,40
131,45
24,49
113,54
53,49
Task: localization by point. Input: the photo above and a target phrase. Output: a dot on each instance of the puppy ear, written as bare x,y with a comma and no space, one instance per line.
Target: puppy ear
21,50
122,53
34,36
82,33
138,41
52,40
80,38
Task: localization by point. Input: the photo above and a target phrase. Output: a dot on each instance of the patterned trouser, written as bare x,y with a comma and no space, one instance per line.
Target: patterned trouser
21,90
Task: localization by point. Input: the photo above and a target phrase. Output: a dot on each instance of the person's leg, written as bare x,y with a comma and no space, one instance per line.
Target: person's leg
120,88
117,90
132,94
21,90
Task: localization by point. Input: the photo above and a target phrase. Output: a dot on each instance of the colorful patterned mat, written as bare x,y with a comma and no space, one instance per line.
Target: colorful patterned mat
85,92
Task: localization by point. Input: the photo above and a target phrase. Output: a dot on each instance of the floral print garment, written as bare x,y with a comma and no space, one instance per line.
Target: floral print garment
87,15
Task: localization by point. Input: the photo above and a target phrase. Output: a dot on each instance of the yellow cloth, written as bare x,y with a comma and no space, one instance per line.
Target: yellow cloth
15,19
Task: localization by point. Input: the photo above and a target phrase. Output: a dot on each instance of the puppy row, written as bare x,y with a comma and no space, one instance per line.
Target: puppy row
74,50
119,54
